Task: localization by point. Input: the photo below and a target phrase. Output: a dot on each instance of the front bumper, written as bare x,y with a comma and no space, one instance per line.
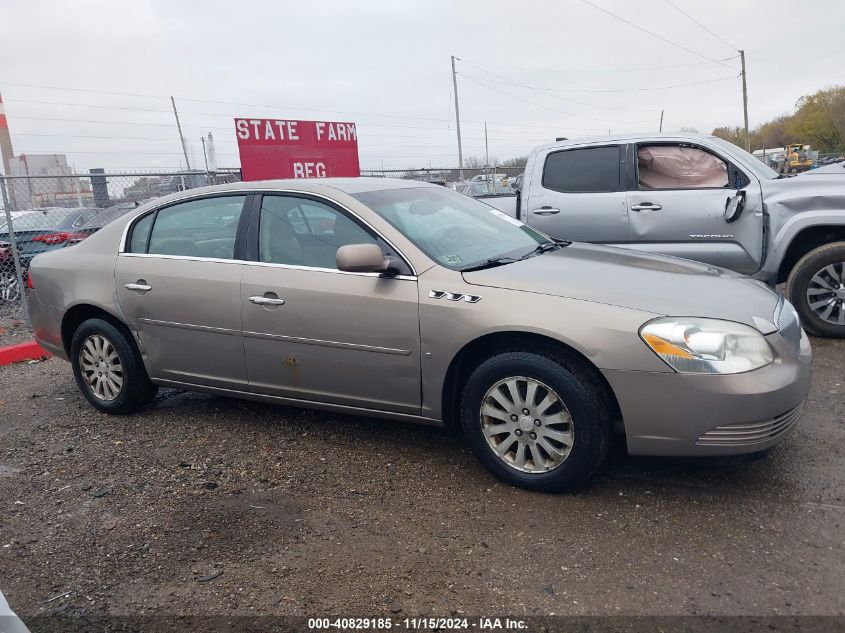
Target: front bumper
695,414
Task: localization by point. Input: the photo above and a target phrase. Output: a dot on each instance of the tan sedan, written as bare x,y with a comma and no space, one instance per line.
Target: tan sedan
409,301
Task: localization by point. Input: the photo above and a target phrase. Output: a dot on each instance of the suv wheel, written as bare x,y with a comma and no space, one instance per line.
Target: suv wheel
536,421
816,287
108,368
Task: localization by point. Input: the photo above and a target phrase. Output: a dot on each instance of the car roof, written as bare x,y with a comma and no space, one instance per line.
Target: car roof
626,138
346,185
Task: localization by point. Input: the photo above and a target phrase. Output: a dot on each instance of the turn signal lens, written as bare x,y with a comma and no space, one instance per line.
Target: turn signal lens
706,346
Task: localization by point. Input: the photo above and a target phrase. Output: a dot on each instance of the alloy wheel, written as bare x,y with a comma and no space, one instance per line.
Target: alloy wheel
101,367
826,293
527,425
9,290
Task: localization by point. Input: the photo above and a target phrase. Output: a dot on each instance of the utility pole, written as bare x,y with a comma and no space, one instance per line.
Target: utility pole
745,102
457,121
661,120
204,155
486,147
181,138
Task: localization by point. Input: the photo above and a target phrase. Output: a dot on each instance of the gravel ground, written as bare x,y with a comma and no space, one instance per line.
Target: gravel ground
13,328
204,505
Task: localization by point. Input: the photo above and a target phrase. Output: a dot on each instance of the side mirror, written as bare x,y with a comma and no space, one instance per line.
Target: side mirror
361,258
734,207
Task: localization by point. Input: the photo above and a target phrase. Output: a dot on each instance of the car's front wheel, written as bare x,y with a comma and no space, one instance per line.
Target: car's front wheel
108,368
816,287
537,421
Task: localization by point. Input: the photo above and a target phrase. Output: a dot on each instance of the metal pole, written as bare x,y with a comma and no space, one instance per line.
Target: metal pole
17,259
204,155
745,102
181,138
458,121
661,120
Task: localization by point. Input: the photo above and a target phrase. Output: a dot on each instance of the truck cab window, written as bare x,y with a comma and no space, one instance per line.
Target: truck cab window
591,169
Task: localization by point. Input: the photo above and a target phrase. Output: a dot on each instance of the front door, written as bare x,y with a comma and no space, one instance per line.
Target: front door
312,332
178,284
580,196
677,207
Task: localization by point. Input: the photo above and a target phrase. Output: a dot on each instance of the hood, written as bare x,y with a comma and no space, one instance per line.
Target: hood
641,281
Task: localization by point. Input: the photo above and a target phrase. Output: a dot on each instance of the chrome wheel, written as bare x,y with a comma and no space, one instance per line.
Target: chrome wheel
101,367
527,425
826,294
9,290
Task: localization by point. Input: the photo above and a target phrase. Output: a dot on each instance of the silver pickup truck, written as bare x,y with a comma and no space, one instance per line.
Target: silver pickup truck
697,197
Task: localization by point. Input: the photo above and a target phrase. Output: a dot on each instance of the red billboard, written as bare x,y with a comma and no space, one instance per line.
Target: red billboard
278,148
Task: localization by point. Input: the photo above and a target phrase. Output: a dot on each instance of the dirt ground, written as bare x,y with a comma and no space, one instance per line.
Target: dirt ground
205,505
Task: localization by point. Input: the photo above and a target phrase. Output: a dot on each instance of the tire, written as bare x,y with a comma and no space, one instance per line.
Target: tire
581,397
99,340
801,280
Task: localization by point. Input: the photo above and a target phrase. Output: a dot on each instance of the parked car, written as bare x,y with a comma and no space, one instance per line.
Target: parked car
109,214
421,304
39,231
701,198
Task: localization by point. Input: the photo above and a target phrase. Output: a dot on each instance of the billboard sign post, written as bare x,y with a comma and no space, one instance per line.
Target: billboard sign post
279,148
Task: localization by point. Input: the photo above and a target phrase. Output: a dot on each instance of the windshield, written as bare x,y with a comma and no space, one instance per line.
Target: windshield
760,169
452,229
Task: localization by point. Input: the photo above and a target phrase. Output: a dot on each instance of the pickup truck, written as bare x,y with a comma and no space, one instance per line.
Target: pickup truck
700,198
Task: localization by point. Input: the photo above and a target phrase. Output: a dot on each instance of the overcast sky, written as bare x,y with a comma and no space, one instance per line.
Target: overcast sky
385,66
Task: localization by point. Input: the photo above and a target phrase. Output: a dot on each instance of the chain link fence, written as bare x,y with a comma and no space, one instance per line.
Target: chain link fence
46,212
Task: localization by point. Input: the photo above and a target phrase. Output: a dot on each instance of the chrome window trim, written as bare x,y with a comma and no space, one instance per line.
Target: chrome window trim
262,192
244,262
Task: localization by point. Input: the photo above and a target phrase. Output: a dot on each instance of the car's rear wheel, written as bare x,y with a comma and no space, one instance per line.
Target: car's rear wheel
816,287
108,368
9,287
537,421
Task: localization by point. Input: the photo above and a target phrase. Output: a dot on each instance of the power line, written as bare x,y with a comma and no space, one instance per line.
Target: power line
684,85
602,70
534,103
692,19
589,105
660,37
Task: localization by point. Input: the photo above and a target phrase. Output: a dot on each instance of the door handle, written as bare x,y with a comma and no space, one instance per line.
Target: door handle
546,211
266,301
139,286
646,206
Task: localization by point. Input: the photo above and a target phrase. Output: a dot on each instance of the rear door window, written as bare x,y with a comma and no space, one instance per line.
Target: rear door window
588,169
197,228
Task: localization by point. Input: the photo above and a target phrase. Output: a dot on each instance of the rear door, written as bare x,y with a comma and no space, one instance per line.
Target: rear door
580,195
677,204
178,284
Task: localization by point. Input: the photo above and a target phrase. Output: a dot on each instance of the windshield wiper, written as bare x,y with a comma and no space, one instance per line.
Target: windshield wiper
491,263
545,247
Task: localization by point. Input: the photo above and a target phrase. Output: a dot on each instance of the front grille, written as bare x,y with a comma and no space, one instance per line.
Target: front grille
789,324
750,434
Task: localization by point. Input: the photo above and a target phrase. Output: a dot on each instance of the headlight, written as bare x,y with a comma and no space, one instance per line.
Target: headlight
706,346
